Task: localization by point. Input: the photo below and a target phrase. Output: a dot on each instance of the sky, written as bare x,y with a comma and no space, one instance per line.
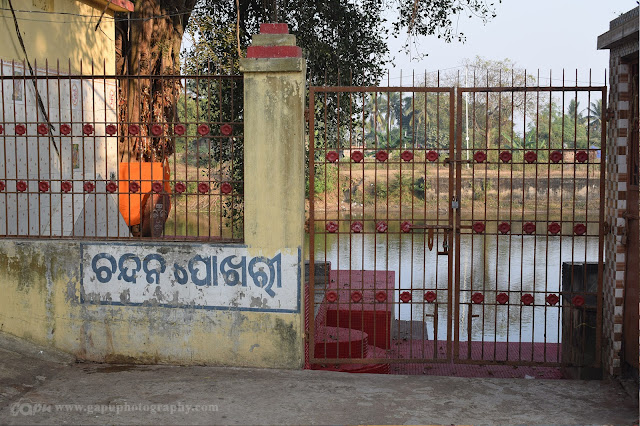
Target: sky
535,34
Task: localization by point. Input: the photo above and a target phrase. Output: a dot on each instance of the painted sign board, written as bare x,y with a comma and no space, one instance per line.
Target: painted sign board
189,275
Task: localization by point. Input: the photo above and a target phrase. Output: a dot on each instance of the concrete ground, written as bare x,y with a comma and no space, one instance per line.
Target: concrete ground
43,387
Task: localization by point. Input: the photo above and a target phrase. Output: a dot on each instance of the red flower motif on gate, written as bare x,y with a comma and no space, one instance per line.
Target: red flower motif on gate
111,129
357,156
21,129
179,187
527,299
43,186
179,129
112,187
226,188
157,187
406,156
502,298
381,227
88,187
356,296
505,156
477,298
405,296
203,188
530,157
331,227
478,227
582,156
480,156
504,228
381,296
331,296
43,129
134,187
432,156
203,130
554,228
65,129
356,227
21,186
332,156
580,229
66,186
577,301
156,130
529,228
405,226
2,186
555,157
382,156
134,129
87,129
552,299
430,296
226,130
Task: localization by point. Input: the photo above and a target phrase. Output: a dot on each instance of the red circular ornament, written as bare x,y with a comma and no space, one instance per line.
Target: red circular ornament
156,130
432,156
226,130
478,227
332,156
331,296
406,156
21,186
505,156
331,227
203,188
134,187
179,129
381,296
405,296
65,129
527,299
156,187
2,186
1,129
356,227
530,157
555,157
66,186
88,187
381,227
580,229
529,228
111,129
112,187
406,226
502,298
552,299
226,188
21,129
43,186
382,156
480,156
134,129
582,156
43,129
87,129
430,296
577,301
477,298
504,228
356,296
203,130
357,156
554,228
179,187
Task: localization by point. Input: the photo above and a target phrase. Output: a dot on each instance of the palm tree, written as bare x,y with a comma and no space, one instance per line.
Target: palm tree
594,113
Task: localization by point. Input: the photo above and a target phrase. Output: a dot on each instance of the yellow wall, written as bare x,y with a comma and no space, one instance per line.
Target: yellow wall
56,37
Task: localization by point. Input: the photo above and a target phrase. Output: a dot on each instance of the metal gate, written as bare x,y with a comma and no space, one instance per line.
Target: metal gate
455,225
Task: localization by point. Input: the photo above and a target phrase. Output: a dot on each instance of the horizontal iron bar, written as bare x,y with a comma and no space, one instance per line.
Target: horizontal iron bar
348,89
